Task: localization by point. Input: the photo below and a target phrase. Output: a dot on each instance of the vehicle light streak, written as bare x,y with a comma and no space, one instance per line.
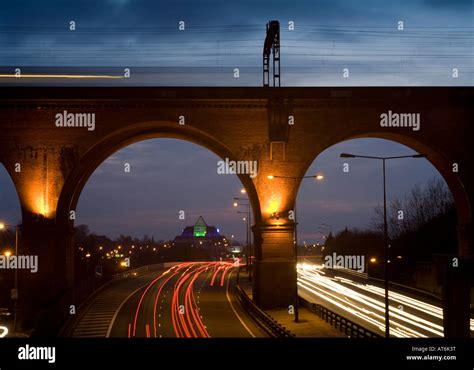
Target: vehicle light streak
409,317
186,318
3,331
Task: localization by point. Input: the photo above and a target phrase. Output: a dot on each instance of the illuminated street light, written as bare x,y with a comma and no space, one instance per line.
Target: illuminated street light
248,220
7,253
88,255
243,191
270,177
2,225
385,228
373,260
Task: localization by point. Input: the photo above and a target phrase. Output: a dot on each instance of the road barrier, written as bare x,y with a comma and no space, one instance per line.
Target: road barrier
264,320
137,271
348,327
70,323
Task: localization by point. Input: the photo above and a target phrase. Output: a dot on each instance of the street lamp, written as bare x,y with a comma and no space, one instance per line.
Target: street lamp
385,227
249,236
317,177
14,296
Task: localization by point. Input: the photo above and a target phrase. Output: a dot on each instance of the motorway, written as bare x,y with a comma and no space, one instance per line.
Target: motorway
189,300
363,303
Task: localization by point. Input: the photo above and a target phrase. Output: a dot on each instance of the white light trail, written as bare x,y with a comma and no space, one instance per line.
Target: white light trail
365,301
3,331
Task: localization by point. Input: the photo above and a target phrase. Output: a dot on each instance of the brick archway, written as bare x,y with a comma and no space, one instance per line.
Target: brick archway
120,139
454,279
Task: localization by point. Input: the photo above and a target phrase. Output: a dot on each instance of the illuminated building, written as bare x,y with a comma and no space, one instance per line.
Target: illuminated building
202,236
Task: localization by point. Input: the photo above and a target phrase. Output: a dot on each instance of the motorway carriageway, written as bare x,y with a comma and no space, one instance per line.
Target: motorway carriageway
364,304
189,300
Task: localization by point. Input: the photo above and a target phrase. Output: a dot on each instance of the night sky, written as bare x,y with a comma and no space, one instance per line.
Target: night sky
329,35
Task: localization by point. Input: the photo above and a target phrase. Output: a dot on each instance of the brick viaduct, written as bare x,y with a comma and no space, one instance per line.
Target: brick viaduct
234,123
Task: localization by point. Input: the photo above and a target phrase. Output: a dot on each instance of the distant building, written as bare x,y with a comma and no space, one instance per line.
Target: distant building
202,236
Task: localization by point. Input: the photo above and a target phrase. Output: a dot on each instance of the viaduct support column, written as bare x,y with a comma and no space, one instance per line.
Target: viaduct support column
274,268
45,295
38,172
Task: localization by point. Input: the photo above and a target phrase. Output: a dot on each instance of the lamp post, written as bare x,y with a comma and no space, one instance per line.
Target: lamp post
249,235
385,227
15,227
318,177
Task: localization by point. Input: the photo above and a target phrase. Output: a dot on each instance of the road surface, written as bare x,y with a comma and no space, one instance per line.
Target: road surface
189,300
364,304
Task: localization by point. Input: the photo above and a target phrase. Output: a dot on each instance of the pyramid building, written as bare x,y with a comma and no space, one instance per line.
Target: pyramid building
202,236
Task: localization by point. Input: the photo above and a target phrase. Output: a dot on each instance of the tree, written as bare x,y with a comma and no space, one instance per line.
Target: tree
419,207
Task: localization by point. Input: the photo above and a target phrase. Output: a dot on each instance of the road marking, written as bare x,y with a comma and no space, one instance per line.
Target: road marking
233,309
120,307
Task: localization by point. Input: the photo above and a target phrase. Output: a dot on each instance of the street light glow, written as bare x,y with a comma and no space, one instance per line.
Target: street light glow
2,225
243,191
7,253
236,204
320,177
3,331
270,177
